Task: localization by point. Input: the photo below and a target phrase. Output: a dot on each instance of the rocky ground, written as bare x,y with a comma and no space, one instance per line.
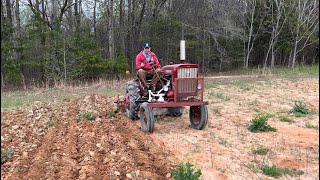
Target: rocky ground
57,141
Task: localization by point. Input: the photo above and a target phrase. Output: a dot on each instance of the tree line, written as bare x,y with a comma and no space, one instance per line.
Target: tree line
66,40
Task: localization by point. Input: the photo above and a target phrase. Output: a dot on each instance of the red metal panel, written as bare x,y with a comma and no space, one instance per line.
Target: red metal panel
176,104
190,85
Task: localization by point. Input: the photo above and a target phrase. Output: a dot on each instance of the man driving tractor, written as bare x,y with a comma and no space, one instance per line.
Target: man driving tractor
147,63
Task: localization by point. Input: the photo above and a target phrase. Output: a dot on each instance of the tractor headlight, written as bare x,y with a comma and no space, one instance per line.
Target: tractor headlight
165,88
199,87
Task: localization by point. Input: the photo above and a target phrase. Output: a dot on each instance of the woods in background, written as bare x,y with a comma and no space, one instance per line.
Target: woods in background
66,40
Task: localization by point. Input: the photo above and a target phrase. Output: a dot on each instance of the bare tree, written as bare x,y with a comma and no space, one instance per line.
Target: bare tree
308,19
250,37
122,24
95,18
54,20
276,29
111,28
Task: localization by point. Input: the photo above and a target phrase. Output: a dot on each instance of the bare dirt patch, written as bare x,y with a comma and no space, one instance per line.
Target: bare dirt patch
115,147
224,150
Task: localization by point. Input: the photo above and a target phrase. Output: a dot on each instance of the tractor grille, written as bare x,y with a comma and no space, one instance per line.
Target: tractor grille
187,72
187,86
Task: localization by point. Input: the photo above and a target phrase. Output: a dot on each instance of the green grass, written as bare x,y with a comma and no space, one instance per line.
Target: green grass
219,95
14,99
111,114
222,141
302,71
23,98
89,117
260,150
50,123
310,126
260,123
276,172
6,154
286,119
264,113
9,103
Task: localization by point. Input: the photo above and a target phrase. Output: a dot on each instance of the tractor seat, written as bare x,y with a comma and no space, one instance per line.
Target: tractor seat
148,77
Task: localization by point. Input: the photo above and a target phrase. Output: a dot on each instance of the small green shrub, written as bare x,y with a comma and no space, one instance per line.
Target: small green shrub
186,172
260,123
89,117
261,150
272,171
5,154
299,109
286,119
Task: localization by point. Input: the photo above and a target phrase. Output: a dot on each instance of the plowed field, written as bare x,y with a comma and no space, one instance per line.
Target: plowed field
53,141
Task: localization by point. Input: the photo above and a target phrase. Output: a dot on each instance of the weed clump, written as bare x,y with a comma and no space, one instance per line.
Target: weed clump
6,154
310,126
186,171
261,150
286,119
260,123
50,123
299,109
272,171
111,114
276,172
89,117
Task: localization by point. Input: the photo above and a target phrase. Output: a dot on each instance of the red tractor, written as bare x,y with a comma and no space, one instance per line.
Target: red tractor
179,85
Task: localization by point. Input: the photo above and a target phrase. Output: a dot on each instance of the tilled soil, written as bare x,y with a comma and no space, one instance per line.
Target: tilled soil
109,147
50,141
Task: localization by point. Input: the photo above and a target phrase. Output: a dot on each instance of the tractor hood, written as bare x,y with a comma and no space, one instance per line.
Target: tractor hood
172,69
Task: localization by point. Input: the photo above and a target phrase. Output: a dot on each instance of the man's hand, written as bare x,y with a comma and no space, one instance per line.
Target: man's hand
151,63
142,64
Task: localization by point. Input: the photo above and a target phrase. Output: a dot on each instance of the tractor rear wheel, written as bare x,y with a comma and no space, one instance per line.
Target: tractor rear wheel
133,93
198,116
146,118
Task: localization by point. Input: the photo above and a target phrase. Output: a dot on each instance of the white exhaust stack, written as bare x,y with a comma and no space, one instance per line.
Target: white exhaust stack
182,48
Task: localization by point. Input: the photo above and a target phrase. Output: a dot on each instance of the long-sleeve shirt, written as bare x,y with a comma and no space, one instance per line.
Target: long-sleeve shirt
142,59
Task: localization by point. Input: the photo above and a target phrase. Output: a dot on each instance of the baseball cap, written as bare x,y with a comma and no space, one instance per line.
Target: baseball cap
146,45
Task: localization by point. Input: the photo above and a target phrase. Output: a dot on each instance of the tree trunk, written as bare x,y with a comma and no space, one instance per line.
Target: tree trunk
77,16
250,42
122,28
2,80
111,29
2,11
18,30
94,19
9,13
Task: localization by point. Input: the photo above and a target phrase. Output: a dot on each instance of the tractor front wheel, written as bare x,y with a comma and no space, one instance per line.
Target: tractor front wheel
198,117
146,118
